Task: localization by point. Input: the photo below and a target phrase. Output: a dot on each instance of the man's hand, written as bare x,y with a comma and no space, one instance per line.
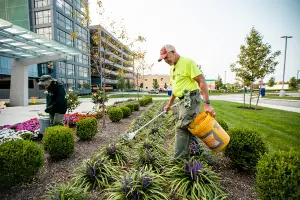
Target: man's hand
209,109
167,107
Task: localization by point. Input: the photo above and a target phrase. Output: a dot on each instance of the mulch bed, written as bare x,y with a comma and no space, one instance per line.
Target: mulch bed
62,171
239,185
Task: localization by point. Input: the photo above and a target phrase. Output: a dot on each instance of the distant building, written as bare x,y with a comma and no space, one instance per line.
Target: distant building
117,59
161,79
165,79
56,20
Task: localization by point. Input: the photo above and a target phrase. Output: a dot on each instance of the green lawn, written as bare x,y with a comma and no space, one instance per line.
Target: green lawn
280,129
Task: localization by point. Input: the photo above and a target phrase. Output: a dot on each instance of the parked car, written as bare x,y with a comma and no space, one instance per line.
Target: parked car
153,91
163,90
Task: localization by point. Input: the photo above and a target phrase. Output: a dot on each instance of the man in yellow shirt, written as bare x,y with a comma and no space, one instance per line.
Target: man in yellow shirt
186,79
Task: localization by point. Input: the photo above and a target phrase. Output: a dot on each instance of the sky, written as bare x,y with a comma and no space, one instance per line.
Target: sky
209,32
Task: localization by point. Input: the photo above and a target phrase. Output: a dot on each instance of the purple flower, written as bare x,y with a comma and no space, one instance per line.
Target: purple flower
192,169
125,185
145,181
90,171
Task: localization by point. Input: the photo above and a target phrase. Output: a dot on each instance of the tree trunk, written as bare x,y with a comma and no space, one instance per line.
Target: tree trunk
103,99
251,94
244,98
259,91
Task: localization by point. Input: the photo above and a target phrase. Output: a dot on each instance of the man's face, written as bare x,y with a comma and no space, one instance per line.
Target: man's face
170,58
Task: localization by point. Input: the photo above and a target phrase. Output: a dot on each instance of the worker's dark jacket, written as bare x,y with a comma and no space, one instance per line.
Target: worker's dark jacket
56,99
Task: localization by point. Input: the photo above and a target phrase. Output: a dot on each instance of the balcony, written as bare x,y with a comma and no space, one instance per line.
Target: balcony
117,65
110,81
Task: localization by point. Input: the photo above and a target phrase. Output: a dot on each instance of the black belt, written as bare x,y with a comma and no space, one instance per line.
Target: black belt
192,93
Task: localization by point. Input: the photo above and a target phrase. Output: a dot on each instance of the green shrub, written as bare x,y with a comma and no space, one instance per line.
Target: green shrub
20,160
27,135
245,148
126,111
86,128
223,124
149,100
131,106
136,106
66,191
115,114
278,176
58,141
142,102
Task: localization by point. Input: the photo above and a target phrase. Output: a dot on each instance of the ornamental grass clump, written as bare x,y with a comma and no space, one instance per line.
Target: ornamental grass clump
138,185
66,191
97,173
115,154
194,180
150,160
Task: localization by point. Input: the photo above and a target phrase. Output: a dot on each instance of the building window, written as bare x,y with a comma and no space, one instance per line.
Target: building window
79,5
80,19
81,32
63,82
45,32
70,70
79,59
80,71
83,84
62,68
70,83
64,6
81,45
83,71
85,59
41,3
63,21
64,37
43,17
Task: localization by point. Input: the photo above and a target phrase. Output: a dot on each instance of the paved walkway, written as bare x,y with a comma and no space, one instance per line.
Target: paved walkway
12,115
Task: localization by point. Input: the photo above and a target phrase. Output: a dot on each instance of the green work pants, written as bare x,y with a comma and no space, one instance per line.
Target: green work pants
183,135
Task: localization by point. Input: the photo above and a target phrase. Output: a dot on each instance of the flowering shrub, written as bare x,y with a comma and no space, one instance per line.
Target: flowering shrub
29,125
73,102
98,98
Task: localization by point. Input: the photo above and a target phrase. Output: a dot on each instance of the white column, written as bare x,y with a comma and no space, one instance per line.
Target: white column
19,85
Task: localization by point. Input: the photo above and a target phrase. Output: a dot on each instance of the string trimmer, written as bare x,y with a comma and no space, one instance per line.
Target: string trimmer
131,135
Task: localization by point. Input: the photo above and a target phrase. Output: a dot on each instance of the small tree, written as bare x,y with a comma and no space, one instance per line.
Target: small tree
142,85
99,98
166,86
255,60
271,82
121,82
128,85
293,83
155,84
219,82
73,102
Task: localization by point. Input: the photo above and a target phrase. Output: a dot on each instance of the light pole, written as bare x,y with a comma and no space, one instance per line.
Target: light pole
225,81
297,79
282,91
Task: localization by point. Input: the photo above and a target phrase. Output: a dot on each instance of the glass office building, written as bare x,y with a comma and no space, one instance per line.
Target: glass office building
59,20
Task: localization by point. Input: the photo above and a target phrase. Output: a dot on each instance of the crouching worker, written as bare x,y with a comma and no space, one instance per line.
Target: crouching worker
56,100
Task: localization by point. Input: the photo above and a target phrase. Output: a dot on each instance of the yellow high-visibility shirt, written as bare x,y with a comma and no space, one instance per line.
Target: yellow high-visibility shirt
182,75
